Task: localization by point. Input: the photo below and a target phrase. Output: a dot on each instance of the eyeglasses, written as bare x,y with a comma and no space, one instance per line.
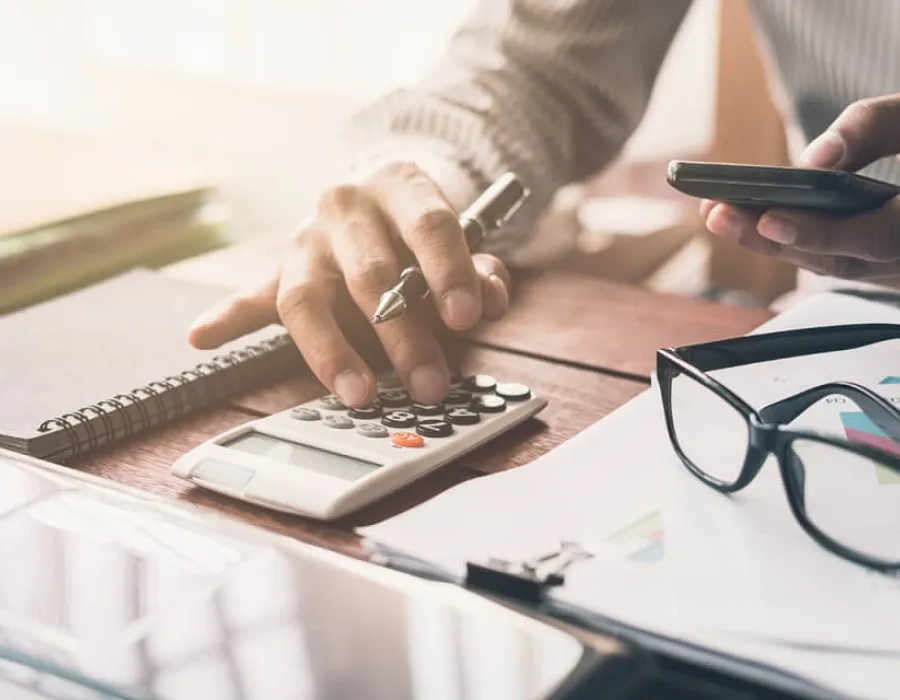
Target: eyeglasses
845,493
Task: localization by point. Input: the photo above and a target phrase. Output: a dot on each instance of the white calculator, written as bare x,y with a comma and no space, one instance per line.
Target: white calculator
324,460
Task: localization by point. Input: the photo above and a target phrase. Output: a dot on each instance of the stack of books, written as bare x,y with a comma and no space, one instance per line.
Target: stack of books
77,209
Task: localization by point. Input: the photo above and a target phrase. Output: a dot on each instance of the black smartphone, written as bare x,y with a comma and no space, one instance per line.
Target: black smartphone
765,187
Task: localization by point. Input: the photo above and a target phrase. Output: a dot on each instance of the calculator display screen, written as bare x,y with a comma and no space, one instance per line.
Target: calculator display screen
312,458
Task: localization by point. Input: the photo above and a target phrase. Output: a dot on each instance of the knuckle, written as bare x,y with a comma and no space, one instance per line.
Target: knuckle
370,275
294,299
337,201
435,222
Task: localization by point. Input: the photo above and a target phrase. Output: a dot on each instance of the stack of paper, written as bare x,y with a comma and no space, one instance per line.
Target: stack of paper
673,558
77,209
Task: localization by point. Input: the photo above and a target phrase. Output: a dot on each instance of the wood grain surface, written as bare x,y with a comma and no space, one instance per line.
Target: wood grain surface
607,326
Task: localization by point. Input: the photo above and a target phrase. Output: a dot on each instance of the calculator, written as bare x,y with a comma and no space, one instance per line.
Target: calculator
324,460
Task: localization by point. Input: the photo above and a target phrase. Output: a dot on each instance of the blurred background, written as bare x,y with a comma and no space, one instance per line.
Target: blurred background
220,116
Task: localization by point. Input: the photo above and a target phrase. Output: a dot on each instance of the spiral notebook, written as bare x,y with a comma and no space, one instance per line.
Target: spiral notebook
112,360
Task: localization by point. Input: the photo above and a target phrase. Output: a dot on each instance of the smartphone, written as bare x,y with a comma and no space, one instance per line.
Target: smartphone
765,187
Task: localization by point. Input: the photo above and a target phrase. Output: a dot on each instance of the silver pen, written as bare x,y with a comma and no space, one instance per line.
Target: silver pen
486,214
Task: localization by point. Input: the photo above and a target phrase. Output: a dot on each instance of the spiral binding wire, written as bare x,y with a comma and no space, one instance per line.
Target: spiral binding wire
153,395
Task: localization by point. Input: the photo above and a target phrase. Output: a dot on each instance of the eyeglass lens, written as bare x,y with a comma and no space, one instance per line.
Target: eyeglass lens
850,498
709,431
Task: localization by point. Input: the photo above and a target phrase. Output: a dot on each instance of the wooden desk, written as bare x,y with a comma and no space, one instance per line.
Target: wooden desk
585,344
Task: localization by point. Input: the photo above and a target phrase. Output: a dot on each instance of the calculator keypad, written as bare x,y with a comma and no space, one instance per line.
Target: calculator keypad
394,414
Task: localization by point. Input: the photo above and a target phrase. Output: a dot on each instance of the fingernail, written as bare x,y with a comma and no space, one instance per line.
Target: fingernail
826,151
777,229
497,284
429,384
460,308
351,388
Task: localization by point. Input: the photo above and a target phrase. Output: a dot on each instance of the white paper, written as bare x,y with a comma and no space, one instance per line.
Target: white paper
618,489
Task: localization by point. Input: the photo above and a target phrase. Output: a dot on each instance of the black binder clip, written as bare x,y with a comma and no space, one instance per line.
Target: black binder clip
525,580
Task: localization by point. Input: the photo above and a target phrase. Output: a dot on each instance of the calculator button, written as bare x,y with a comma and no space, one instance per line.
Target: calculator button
393,398
479,383
403,439
364,412
424,409
303,413
489,403
341,422
513,391
332,403
458,396
399,419
460,415
373,430
434,427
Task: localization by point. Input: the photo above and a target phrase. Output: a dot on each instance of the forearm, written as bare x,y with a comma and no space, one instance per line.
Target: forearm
549,89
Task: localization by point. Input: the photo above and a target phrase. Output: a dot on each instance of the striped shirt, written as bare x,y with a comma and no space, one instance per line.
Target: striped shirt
552,89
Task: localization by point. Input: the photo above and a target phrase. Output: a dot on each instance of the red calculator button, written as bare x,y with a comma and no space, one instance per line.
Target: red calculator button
403,439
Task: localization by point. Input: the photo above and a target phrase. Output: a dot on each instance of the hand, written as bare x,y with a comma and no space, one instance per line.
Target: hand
859,247
353,249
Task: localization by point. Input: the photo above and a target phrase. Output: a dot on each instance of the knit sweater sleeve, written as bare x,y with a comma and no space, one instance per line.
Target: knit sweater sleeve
550,89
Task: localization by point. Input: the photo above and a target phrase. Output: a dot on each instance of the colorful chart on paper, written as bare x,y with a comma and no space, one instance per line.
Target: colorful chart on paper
858,427
640,541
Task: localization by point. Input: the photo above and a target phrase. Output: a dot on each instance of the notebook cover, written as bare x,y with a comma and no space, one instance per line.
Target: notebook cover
108,340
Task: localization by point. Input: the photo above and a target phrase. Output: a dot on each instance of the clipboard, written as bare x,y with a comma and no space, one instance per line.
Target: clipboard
680,665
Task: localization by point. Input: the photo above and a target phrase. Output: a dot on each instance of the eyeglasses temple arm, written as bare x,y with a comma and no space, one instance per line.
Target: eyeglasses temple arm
879,410
766,347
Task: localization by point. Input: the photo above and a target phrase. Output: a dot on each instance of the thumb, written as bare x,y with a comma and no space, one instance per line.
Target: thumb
864,132
235,316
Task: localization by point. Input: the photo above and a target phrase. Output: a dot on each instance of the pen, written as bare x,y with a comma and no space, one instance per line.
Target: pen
485,215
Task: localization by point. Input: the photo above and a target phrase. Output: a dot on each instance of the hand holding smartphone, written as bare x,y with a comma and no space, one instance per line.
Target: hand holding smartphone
762,187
